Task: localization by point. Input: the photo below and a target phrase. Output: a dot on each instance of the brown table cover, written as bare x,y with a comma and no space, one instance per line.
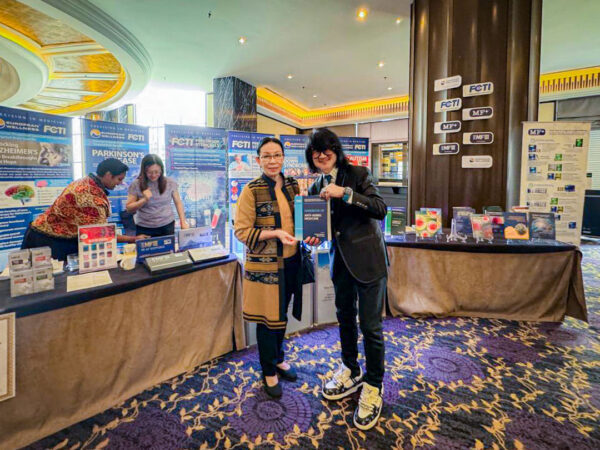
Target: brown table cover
515,286
75,362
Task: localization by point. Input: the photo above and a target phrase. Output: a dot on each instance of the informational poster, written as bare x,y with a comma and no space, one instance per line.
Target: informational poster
242,169
125,142
356,150
197,160
7,356
295,164
36,155
553,173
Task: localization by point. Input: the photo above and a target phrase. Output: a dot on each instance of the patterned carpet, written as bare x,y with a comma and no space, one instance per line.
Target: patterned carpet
450,384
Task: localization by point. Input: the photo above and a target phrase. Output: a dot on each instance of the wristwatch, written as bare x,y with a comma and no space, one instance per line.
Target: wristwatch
347,193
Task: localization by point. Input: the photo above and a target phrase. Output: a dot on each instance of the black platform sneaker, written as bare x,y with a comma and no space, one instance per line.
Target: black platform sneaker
342,384
369,407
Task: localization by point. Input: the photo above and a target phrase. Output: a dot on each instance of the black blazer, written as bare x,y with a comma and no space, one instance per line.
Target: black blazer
357,236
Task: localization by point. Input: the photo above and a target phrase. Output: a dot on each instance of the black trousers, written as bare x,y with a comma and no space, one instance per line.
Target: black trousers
165,230
60,247
270,342
371,298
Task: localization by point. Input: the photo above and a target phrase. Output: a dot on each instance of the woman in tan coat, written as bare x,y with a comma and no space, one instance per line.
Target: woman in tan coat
264,222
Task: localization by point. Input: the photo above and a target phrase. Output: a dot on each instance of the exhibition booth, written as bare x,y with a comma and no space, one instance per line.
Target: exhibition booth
118,319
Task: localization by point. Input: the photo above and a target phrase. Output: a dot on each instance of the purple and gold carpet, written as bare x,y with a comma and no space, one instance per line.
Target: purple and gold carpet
450,384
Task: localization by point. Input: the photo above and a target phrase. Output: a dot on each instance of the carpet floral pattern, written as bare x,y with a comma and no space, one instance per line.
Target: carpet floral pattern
450,384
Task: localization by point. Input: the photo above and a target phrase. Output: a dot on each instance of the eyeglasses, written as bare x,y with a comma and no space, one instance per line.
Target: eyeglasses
275,157
318,155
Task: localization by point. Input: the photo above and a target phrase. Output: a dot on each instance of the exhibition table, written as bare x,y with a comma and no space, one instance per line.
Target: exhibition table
515,280
79,353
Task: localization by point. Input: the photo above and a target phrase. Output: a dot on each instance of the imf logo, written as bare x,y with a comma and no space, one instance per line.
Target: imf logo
95,133
2,124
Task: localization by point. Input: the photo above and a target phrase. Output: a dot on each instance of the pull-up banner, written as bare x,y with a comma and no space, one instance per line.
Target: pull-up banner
295,164
356,150
36,154
125,142
197,160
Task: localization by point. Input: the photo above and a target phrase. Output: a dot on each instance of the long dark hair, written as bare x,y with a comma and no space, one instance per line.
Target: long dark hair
147,161
322,139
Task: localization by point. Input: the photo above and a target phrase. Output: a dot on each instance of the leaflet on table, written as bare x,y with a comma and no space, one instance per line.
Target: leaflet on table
196,158
312,217
437,214
482,227
553,177
208,253
97,247
462,218
395,221
126,142
356,150
88,280
542,225
516,226
497,219
295,164
36,159
154,246
194,238
7,356
426,224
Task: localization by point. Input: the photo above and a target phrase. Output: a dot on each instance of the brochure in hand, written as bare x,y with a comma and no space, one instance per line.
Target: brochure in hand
515,225
312,218
542,225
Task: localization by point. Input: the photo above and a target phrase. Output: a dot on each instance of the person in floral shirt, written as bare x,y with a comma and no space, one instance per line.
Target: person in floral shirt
83,202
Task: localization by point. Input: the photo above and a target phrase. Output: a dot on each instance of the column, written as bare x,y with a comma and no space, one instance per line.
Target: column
234,104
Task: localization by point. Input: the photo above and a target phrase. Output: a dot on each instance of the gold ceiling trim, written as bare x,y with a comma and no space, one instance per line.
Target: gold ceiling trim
352,112
102,78
570,80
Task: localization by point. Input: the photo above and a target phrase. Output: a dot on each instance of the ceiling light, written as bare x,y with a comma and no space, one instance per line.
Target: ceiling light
315,96
399,20
381,64
389,88
290,76
242,40
361,13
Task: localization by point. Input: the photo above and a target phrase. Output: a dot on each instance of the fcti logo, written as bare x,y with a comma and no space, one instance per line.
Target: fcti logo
450,103
481,87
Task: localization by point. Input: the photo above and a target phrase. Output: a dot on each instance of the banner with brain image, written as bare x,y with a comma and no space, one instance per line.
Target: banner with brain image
36,155
196,157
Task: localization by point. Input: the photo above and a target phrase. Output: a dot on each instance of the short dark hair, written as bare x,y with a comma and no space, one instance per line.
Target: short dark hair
112,165
266,140
322,139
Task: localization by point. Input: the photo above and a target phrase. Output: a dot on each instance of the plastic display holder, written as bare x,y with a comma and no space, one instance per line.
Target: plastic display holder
454,236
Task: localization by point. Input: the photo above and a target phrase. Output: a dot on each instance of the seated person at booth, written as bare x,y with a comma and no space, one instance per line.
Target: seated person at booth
150,198
83,202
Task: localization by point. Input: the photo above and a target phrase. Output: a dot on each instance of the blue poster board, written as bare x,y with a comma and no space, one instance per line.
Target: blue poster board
196,157
125,142
36,155
356,150
295,164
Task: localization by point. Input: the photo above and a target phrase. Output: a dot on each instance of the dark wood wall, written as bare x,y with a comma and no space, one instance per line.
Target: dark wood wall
481,40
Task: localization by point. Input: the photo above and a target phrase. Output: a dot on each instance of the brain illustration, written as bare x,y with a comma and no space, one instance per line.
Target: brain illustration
20,192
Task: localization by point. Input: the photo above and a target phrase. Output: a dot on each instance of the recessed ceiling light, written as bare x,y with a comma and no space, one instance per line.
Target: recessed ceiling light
242,40
380,64
361,13
314,95
290,76
389,88
399,20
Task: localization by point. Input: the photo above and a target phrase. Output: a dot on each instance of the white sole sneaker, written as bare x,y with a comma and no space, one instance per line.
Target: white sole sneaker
350,391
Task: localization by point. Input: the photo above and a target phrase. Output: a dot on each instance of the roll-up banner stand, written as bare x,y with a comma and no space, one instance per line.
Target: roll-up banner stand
36,156
196,157
242,168
126,142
